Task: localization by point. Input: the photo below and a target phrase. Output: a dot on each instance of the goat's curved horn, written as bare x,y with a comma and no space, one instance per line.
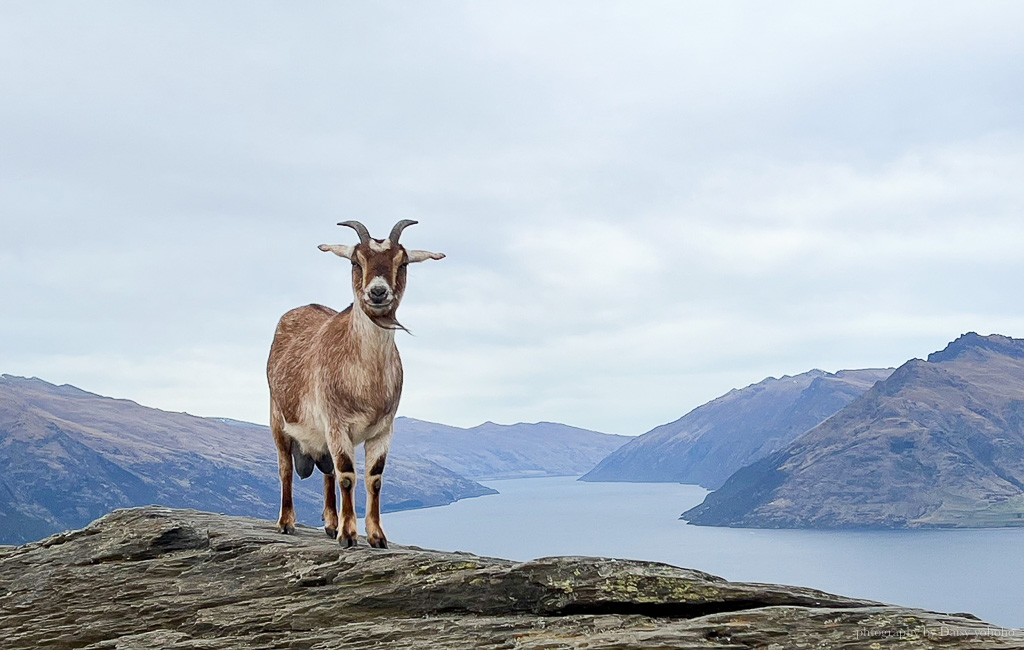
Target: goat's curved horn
364,234
396,232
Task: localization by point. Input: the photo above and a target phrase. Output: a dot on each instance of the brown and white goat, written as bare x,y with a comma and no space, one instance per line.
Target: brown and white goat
335,381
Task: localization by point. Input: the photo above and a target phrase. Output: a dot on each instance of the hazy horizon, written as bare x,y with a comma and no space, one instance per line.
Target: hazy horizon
471,426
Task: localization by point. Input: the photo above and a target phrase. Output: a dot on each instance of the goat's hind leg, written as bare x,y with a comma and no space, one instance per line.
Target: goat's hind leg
330,506
326,467
286,521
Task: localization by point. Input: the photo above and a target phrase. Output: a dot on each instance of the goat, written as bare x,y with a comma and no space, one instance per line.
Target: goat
335,382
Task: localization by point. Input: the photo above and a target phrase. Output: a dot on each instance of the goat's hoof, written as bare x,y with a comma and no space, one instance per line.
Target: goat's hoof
378,541
331,532
349,542
286,529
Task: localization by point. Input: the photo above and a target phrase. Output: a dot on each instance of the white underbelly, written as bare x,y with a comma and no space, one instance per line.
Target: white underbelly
311,438
311,431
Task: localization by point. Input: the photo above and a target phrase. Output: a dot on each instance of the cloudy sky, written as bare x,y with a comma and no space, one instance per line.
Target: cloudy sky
644,204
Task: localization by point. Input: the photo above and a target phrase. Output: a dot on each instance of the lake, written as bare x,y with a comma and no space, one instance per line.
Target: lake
977,571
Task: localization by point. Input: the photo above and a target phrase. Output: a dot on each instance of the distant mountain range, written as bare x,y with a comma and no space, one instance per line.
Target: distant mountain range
68,456
939,443
492,451
935,443
708,444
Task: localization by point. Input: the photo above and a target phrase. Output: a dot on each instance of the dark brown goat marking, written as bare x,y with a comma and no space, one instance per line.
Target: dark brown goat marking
346,466
330,496
389,263
378,467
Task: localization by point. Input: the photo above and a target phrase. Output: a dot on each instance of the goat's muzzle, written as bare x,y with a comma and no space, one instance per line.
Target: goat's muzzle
379,298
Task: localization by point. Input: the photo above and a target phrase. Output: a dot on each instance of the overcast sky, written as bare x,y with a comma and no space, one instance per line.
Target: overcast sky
644,204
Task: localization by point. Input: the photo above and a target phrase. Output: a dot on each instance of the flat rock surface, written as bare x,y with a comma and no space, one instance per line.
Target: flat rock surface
156,577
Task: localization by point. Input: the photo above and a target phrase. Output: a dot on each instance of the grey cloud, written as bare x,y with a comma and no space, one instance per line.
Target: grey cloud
642,205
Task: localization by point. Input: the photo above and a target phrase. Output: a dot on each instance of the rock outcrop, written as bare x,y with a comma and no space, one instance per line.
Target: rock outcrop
708,444
157,577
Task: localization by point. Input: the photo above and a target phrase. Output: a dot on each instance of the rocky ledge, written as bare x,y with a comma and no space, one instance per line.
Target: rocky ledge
157,577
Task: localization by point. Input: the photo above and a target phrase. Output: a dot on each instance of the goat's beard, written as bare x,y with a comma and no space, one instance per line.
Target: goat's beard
389,322
386,320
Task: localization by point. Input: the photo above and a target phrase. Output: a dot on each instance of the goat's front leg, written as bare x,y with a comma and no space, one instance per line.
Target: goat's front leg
342,452
376,455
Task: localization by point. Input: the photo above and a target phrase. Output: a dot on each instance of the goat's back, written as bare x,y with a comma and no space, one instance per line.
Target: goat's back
291,356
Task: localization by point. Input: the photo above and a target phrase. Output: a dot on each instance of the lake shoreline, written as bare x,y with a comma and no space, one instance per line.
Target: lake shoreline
937,569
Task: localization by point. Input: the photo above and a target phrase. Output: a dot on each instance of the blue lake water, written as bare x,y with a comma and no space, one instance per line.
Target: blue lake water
977,571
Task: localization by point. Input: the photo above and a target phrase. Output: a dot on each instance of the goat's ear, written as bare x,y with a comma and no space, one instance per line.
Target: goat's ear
341,250
423,256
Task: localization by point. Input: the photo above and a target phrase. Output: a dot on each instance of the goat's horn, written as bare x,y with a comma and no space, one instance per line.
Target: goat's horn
396,232
364,234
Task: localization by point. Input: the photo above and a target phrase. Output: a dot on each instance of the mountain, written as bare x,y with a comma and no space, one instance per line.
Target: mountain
68,456
708,444
940,443
491,450
162,578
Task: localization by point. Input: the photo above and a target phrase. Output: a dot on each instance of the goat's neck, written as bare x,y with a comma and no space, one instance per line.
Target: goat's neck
369,336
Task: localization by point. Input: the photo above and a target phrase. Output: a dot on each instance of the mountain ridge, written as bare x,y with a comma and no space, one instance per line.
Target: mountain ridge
712,441
482,452
940,443
68,455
